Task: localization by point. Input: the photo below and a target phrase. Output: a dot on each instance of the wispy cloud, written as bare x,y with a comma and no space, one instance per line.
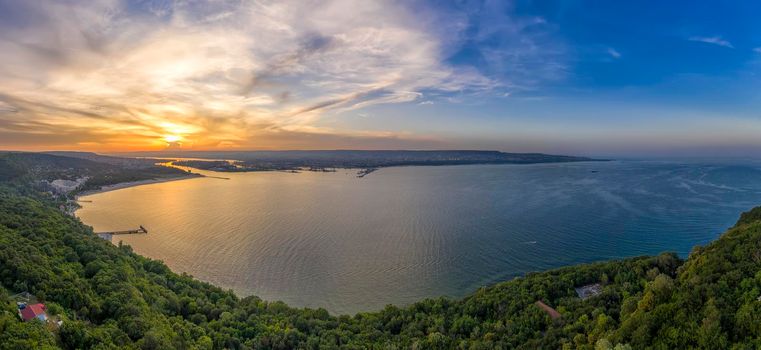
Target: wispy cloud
614,53
522,52
118,74
7,108
757,50
715,40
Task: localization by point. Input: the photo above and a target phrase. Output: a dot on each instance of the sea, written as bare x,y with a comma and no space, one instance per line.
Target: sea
401,234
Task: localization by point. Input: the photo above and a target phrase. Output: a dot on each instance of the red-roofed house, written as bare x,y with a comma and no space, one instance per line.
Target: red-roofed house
28,312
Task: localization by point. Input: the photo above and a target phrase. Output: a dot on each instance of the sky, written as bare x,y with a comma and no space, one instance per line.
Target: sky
601,78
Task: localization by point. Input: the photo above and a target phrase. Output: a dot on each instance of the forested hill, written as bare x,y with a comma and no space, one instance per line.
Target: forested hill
28,170
109,297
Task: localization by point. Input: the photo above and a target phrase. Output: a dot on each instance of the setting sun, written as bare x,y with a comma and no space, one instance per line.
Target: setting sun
172,138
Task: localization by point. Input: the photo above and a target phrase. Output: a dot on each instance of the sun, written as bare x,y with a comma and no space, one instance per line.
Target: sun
172,138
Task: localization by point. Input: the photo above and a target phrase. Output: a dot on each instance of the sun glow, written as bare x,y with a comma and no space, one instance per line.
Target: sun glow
175,133
172,138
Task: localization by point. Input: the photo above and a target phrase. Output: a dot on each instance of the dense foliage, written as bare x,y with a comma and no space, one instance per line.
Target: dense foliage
26,168
750,216
110,297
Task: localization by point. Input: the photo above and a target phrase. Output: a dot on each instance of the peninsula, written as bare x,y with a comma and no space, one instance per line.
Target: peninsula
328,160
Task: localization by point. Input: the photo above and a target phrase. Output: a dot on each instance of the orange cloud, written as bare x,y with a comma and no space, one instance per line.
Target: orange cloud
104,76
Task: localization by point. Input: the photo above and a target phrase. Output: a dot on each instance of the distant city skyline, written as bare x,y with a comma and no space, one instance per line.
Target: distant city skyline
596,78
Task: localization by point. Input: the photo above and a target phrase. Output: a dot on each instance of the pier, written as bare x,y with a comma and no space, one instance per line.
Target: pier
108,234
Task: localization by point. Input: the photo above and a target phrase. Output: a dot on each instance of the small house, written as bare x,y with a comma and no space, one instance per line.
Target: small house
32,311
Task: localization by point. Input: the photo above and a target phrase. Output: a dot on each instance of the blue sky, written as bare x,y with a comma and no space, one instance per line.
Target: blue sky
603,78
638,79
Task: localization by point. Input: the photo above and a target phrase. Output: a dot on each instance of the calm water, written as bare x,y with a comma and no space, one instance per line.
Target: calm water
402,234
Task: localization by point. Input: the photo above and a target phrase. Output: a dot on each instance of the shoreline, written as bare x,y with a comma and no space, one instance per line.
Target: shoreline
123,185
362,172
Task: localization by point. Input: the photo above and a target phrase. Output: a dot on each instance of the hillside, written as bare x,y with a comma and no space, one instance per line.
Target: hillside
109,297
29,169
142,163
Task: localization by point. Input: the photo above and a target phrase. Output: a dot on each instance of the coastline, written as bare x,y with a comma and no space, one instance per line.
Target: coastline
123,185
374,167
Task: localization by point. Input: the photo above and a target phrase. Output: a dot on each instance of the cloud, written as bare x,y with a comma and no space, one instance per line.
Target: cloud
757,50
112,73
7,108
521,52
715,40
614,53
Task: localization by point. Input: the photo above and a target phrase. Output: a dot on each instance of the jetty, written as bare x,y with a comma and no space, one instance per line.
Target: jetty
107,235
364,172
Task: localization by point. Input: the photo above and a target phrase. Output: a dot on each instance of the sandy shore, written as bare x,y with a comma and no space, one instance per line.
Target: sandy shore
135,183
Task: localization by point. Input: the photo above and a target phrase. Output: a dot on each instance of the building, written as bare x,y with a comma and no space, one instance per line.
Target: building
29,312
588,291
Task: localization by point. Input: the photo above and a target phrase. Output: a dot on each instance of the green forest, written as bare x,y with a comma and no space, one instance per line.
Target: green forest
108,297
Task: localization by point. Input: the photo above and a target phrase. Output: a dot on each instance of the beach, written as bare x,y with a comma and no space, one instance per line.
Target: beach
123,185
